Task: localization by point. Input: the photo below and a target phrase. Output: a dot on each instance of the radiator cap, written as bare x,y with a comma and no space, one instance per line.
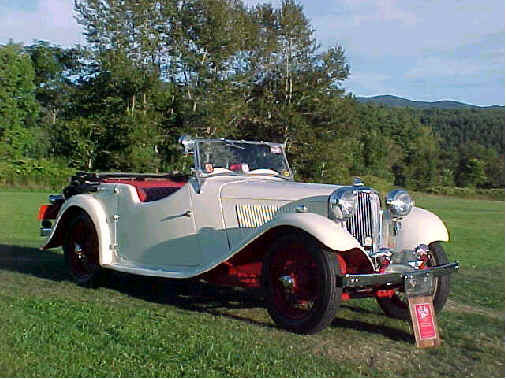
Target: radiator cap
357,182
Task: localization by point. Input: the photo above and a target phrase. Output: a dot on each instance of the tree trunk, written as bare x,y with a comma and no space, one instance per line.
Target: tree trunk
53,112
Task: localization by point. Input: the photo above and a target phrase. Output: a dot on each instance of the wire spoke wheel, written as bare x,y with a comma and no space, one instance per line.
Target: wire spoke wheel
398,307
294,278
300,284
81,250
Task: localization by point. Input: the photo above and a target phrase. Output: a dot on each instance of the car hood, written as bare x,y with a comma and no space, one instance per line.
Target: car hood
274,189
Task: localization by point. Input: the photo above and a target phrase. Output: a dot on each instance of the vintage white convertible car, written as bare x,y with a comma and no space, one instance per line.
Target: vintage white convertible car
241,220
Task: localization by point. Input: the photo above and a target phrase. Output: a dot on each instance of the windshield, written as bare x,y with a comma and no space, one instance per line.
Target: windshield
244,158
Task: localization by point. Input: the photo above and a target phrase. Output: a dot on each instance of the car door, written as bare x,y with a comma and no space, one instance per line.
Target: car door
158,234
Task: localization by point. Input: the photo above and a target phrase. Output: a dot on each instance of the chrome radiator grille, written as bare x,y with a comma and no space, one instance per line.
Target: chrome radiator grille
366,223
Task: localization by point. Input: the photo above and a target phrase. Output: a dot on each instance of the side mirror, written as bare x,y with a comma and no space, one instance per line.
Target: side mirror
188,143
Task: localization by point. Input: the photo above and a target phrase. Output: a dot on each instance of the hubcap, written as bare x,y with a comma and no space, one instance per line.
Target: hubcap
80,253
83,249
287,282
295,281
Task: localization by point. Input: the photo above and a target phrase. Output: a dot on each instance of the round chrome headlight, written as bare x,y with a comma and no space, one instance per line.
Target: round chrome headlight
399,202
342,204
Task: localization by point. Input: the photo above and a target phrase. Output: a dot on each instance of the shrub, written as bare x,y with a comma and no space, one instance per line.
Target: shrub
468,192
36,174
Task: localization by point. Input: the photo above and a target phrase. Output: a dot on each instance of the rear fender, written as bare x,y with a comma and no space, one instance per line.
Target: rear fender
94,209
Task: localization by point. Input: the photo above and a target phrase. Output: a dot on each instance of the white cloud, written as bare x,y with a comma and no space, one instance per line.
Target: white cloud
52,20
437,67
481,61
251,3
369,83
367,11
393,27
420,49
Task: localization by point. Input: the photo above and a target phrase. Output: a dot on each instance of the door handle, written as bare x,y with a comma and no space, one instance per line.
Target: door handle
188,213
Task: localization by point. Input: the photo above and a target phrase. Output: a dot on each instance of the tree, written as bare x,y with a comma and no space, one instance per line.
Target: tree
471,172
18,105
54,68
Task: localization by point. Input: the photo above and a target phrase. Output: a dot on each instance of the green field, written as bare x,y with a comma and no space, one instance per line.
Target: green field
138,327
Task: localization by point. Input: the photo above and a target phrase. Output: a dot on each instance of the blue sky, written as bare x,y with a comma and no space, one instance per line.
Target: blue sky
418,49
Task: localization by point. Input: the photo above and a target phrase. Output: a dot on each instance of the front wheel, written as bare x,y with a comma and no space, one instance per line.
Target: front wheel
81,251
299,277
398,307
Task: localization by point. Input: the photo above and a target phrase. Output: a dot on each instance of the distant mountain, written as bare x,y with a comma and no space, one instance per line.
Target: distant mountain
394,101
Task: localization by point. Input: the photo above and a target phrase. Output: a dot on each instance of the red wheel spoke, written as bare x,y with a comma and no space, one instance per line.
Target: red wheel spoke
296,263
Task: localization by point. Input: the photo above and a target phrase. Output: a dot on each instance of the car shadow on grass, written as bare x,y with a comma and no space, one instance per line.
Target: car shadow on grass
190,294
32,261
386,331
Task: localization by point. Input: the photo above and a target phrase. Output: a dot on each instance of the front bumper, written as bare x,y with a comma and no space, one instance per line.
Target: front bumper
394,278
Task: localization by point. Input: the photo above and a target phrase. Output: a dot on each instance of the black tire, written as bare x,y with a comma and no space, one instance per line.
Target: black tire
310,302
81,251
397,306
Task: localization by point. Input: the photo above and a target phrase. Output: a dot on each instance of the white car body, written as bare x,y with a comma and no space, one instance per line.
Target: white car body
223,226
188,233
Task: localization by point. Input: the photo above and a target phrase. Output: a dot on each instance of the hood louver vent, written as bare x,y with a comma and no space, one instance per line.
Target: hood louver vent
255,215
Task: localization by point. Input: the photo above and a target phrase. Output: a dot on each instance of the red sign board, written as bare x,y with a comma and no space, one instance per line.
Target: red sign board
425,320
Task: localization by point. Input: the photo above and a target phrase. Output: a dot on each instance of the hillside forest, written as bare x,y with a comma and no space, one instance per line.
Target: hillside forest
154,70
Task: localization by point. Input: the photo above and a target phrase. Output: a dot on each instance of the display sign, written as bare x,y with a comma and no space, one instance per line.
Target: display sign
423,317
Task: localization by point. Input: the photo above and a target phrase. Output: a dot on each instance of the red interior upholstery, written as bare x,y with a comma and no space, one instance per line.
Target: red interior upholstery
151,190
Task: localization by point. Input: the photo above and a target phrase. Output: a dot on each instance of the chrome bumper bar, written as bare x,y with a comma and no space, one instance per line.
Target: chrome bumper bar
394,278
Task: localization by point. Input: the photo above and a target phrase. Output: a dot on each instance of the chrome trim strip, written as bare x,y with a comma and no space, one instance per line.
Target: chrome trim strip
368,280
45,232
53,199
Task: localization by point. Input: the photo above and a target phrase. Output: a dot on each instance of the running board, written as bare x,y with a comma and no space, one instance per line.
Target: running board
176,272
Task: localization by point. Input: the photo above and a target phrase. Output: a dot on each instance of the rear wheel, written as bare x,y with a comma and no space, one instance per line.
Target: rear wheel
398,307
81,251
299,278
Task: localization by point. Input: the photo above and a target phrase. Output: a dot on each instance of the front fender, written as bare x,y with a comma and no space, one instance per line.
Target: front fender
329,233
95,210
420,226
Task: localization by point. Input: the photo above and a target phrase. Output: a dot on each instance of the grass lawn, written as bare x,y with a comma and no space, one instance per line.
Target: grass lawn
136,326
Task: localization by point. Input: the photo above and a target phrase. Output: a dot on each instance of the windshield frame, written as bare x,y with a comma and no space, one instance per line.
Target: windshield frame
202,174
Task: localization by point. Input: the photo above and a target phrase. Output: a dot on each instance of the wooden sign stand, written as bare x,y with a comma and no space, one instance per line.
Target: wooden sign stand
424,321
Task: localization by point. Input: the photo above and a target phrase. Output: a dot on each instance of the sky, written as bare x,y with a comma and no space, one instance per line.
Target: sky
418,49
